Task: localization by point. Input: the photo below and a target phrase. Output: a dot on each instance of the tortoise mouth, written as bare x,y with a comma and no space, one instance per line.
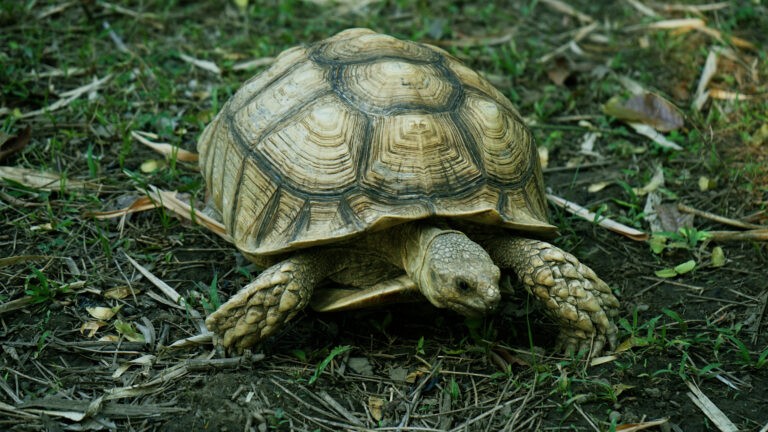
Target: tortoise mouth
474,308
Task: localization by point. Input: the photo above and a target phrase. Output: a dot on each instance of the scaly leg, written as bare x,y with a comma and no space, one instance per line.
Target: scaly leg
572,294
272,299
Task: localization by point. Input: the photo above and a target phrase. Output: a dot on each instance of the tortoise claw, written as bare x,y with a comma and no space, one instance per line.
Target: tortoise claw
572,342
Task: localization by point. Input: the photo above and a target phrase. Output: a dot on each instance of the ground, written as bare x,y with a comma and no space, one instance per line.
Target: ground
88,340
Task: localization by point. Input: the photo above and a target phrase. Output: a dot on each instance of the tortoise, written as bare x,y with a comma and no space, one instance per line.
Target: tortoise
388,166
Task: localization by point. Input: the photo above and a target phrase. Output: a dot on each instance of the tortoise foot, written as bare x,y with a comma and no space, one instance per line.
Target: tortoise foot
261,307
574,296
581,303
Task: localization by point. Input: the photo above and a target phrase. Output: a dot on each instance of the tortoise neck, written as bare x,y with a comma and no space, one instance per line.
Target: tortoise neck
406,245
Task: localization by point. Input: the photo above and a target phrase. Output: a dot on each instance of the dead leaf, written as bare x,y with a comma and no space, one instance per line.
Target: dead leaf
171,202
415,375
705,404
68,96
559,70
651,133
735,41
728,95
653,184
565,8
683,23
202,64
44,180
120,292
631,342
621,388
597,187
102,313
167,150
360,365
140,204
376,406
543,156
632,427
647,108
10,144
151,165
89,329
710,67
671,219
706,183
18,259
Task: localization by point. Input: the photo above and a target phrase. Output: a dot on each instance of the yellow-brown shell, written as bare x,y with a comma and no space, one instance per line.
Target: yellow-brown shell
360,132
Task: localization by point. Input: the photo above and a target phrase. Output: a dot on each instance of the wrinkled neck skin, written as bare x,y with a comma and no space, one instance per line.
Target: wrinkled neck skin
405,246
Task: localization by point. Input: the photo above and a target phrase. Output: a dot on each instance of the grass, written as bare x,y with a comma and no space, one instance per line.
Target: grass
694,328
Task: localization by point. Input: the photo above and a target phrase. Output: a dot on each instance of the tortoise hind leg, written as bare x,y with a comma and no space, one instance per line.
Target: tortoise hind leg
572,294
272,299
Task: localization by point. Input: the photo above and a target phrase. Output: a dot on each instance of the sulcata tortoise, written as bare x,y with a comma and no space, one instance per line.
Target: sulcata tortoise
387,166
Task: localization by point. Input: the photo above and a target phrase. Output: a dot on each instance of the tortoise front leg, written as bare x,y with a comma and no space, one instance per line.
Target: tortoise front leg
572,294
272,299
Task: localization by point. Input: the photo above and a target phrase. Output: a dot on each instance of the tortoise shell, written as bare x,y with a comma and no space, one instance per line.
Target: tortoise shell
363,131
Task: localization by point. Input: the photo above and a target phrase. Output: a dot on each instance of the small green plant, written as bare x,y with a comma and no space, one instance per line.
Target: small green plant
679,269
41,342
480,330
93,165
762,359
453,389
684,238
277,419
40,288
341,349
213,301
300,354
420,346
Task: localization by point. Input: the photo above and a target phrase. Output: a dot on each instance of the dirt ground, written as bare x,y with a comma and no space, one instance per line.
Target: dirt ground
89,342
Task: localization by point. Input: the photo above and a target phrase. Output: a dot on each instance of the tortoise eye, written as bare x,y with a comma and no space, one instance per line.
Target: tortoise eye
463,286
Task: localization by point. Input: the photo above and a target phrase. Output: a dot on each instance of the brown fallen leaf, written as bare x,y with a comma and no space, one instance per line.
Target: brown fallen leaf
559,70
120,292
44,180
19,259
647,108
376,406
671,219
728,95
10,144
167,150
631,427
89,329
102,313
140,204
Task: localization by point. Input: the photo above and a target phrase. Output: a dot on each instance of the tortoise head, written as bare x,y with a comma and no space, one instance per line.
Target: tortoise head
458,274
